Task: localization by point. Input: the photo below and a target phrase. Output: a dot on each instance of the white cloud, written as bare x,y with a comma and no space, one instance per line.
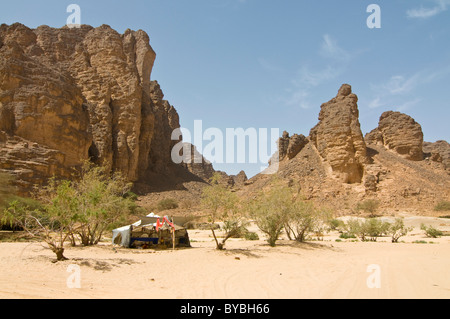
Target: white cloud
375,103
399,88
407,105
425,13
330,49
308,78
400,85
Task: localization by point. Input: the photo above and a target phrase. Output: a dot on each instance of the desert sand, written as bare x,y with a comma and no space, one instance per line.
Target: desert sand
245,270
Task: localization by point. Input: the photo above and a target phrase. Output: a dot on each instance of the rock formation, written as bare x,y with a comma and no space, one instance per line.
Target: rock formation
288,147
78,94
338,136
438,152
400,133
196,163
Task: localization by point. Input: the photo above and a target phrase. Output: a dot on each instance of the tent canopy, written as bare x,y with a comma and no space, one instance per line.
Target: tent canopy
122,236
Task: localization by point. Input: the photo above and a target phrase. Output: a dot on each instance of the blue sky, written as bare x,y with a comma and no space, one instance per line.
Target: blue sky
271,64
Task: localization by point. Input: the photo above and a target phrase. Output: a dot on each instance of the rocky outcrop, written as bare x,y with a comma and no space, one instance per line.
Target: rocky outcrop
438,152
84,93
399,132
289,147
338,136
195,163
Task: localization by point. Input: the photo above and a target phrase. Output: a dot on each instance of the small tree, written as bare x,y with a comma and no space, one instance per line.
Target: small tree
102,200
369,229
369,206
430,231
270,210
221,204
85,208
269,221
398,230
54,224
355,228
303,218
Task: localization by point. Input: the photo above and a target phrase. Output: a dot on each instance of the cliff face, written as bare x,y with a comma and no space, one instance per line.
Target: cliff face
82,94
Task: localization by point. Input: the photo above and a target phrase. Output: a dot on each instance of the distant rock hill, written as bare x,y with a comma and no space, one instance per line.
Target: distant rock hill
71,95
336,166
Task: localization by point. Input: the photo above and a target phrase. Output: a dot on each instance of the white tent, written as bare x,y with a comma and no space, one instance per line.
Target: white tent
122,236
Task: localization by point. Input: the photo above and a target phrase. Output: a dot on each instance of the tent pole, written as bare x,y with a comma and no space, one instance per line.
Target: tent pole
173,235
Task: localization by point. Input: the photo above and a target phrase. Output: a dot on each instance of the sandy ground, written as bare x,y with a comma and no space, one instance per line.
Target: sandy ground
246,270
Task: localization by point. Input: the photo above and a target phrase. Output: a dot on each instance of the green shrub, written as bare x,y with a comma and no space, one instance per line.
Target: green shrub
431,232
347,235
336,224
251,236
442,206
398,230
167,204
369,206
369,229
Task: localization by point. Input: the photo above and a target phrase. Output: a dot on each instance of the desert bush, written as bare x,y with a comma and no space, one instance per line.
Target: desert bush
442,206
236,228
304,218
222,204
431,232
336,224
167,204
187,204
398,230
269,221
369,206
346,235
369,229
251,236
270,209
85,208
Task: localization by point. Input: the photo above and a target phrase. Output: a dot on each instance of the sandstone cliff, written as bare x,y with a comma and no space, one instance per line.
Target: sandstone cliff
71,95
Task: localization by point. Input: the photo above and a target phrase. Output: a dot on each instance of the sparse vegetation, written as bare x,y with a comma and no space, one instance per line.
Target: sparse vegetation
280,209
84,208
431,232
369,206
251,236
269,209
167,204
336,224
304,218
347,235
398,230
222,204
369,229
442,206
